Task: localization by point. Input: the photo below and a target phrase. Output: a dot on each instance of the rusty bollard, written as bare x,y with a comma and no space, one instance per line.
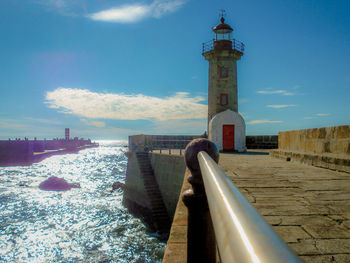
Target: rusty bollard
201,245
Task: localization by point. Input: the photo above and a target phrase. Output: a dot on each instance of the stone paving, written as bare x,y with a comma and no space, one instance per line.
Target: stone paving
308,207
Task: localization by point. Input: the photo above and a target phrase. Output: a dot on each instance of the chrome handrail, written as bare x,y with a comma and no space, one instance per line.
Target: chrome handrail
242,235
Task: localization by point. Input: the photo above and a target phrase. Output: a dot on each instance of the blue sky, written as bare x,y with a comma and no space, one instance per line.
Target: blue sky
109,69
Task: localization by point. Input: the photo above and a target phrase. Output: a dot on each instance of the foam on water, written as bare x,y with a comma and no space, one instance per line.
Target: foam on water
87,224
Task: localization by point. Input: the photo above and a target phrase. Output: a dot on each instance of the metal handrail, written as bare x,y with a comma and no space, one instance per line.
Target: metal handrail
242,235
236,45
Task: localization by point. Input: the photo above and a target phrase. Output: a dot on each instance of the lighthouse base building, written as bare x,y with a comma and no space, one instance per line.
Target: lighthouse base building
227,131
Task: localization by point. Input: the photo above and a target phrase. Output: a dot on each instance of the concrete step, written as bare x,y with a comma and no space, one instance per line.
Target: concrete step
159,205
148,174
151,187
159,211
150,180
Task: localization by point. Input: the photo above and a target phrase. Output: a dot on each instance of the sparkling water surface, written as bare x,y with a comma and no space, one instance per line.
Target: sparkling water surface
87,224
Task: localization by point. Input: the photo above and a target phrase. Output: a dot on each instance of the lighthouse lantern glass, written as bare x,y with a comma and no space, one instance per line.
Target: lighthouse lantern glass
223,34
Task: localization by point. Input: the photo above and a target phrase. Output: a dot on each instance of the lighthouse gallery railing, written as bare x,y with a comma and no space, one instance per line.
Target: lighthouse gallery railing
242,235
236,45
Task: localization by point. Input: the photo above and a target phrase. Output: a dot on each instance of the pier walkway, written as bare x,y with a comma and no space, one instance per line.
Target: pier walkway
308,207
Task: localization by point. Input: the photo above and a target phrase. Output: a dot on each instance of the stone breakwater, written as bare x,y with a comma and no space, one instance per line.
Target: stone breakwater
27,152
308,207
327,147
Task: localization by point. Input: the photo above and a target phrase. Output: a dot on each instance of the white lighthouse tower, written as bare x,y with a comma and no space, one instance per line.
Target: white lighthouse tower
226,126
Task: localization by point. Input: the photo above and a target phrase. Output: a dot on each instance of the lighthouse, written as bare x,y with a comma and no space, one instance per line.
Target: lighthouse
226,127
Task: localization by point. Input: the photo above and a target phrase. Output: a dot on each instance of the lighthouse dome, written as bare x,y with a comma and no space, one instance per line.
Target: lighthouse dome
222,27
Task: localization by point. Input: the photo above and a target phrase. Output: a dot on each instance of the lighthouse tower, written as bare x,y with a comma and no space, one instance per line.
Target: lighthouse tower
226,126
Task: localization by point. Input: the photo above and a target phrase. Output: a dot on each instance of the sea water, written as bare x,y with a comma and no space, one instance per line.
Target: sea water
87,224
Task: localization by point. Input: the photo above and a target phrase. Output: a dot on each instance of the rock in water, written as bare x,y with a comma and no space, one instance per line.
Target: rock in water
117,185
57,184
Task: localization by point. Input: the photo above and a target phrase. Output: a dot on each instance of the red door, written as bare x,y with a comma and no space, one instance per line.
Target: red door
228,137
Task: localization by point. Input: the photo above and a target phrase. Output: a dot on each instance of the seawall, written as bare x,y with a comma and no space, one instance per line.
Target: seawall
261,141
169,172
27,152
327,147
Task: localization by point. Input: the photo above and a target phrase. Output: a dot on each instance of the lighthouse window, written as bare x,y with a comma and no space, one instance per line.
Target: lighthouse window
223,72
223,99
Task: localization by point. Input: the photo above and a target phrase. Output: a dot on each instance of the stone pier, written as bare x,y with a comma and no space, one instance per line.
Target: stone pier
308,207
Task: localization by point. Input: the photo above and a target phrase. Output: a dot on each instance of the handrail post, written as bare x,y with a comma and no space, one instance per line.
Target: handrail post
201,245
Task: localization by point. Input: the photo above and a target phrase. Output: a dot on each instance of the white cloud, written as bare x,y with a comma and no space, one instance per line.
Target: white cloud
161,7
64,7
124,14
317,115
92,105
281,92
242,100
180,126
98,124
281,106
8,124
136,12
40,120
262,121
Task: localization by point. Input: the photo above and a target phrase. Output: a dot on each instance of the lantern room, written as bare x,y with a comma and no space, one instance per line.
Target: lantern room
222,31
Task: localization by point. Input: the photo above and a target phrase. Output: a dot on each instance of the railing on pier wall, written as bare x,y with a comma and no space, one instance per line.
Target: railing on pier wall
160,142
220,216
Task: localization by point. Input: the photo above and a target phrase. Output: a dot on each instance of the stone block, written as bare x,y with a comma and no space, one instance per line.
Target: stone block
178,234
285,140
332,132
175,253
317,259
343,132
305,247
308,134
333,245
339,146
304,220
326,147
291,233
310,146
327,231
342,258
322,133
319,146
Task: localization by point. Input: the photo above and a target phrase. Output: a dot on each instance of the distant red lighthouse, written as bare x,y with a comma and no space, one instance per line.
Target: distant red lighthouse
66,132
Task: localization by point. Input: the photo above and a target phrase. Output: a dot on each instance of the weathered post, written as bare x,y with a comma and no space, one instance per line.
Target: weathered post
200,234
